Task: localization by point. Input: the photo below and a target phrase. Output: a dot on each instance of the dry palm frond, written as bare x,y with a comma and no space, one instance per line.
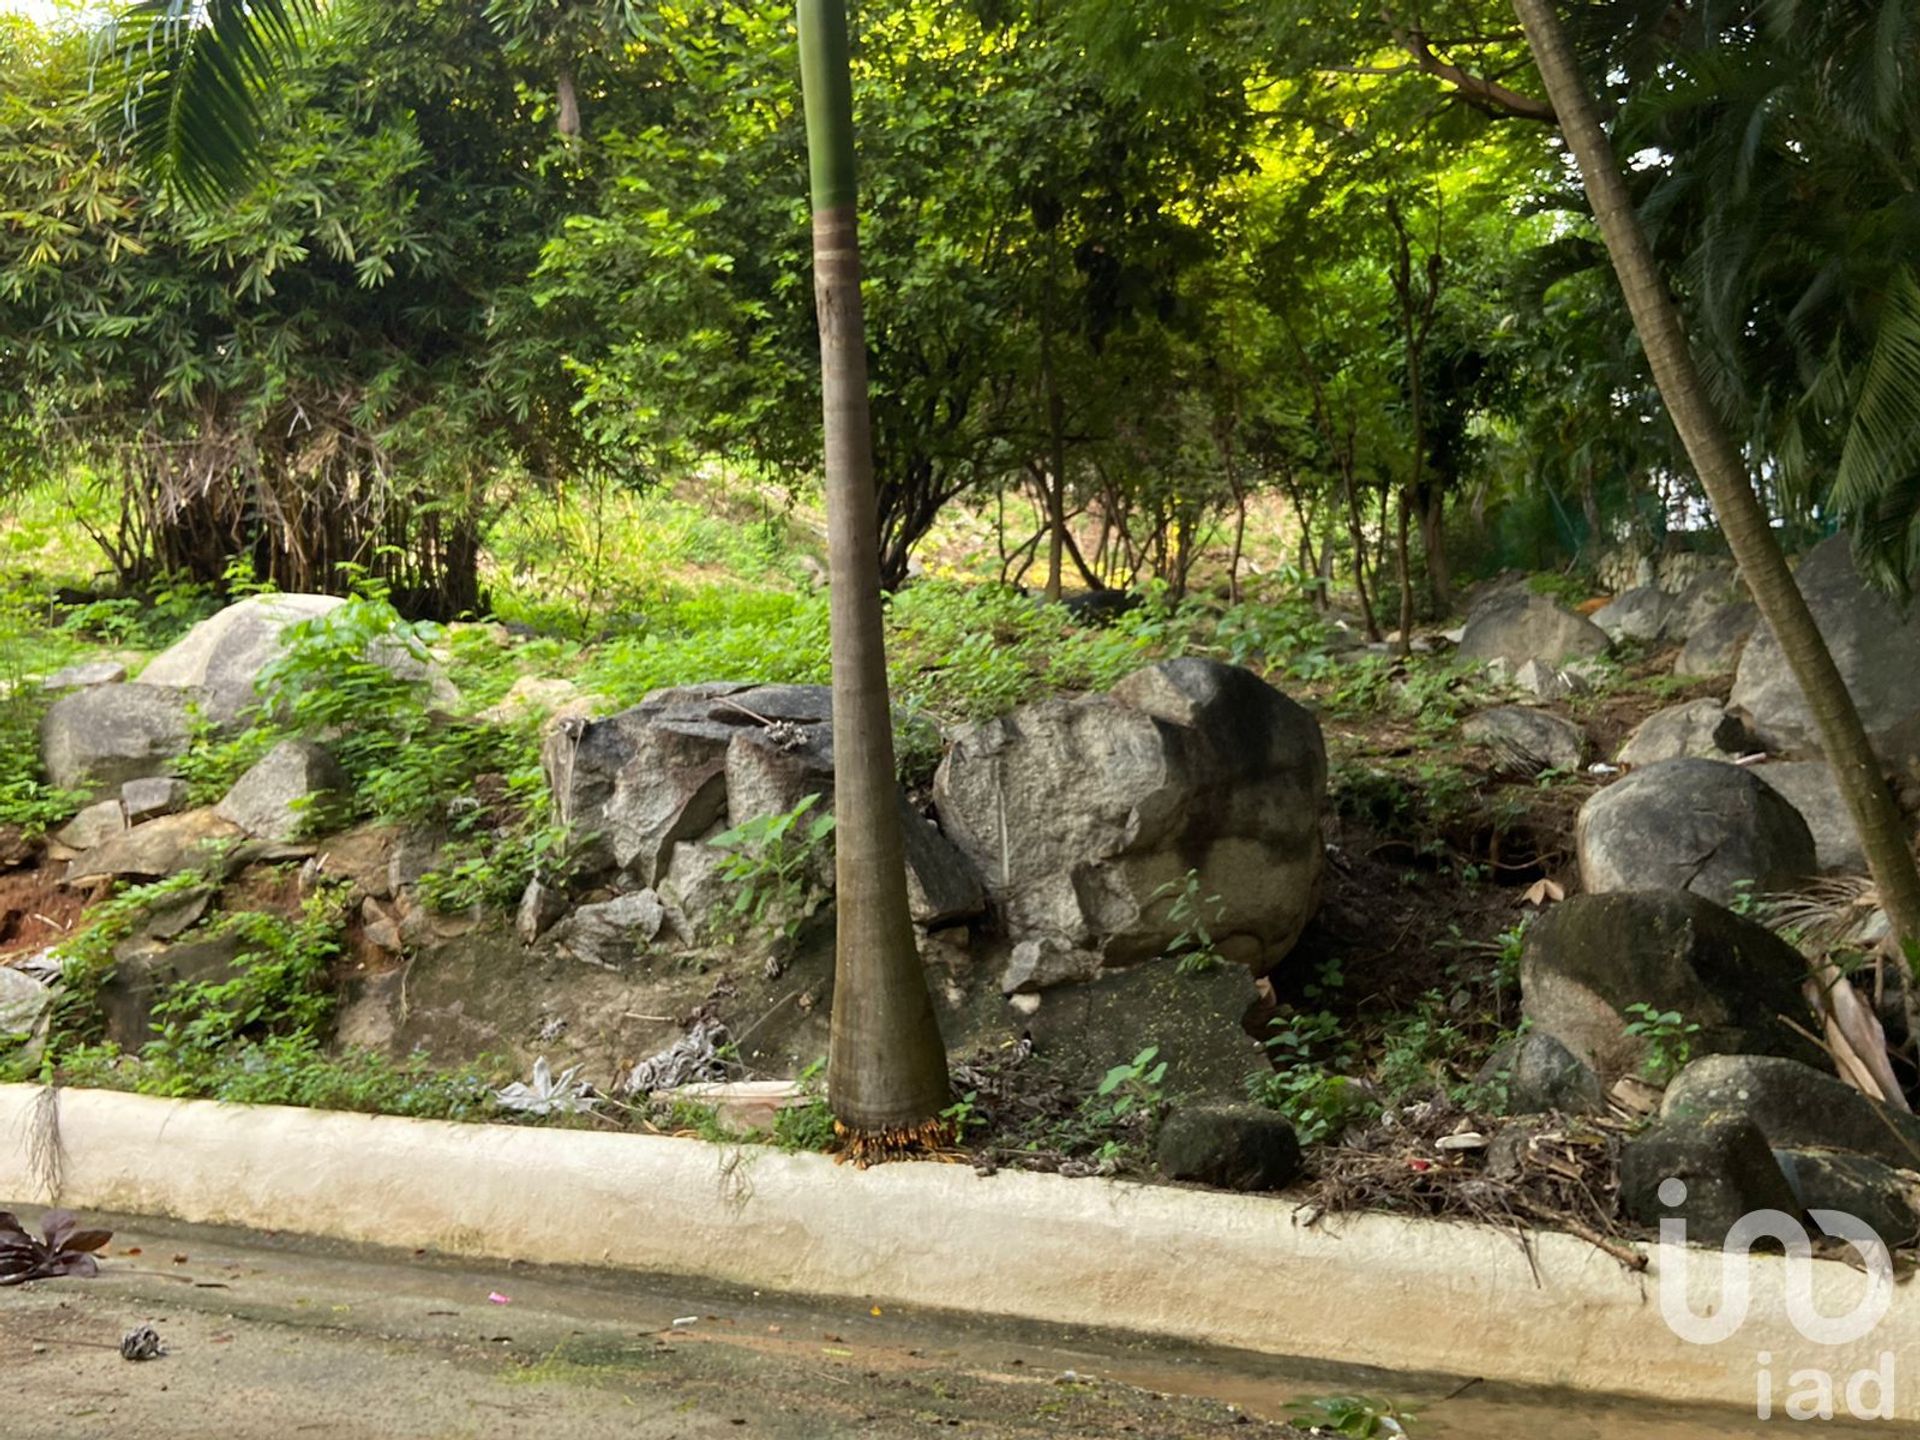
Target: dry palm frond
1834,913
863,1148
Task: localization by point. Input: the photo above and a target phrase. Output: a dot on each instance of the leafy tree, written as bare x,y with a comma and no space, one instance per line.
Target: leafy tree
338,371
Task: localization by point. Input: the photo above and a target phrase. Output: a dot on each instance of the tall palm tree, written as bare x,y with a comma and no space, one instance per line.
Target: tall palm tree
1724,474
887,1072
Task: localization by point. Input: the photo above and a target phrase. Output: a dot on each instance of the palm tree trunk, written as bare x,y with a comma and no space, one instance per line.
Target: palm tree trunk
1724,474
887,1069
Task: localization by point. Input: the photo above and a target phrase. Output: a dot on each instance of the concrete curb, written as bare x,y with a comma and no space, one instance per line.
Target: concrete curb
1228,1270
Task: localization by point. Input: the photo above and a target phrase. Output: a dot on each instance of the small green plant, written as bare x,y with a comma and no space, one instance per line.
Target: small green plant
1312,1083
1668,1038
1134,1086
1362,1417
774,861
964,1115
1196,913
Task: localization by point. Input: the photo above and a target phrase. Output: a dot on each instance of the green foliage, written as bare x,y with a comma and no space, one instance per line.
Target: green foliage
775,862
1360,1417
1313,1083
1125,1089
280,986
1668,1037
1196,913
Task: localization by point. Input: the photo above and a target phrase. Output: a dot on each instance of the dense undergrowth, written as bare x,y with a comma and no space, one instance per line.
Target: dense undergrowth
679,597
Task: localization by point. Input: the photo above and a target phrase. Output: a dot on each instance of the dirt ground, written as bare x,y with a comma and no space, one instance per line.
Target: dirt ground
271,1338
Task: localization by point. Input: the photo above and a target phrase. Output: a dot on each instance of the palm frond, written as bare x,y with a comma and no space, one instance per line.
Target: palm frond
196,74
1880,459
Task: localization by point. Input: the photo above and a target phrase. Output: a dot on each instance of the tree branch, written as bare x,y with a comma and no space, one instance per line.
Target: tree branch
1482,93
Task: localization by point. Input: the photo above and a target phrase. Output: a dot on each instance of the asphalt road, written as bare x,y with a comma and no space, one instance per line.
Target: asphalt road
276,1339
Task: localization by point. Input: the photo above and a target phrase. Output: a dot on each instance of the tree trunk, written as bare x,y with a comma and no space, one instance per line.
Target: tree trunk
1433,539
887,1072
1405,564
1724,475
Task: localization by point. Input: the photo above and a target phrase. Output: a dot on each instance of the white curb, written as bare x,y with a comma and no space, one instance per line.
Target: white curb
1228,1270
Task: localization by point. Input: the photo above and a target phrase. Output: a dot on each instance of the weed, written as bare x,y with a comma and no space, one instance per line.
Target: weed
774,860
1359,1417
1130,1087
1668,1037
1196,913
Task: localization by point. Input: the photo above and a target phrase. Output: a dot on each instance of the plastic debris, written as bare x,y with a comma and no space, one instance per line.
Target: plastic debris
142,1342
548,1094
494,1297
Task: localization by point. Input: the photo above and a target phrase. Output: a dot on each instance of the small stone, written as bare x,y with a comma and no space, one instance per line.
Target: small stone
93,826
541,907
1232,1147
154,795
86,675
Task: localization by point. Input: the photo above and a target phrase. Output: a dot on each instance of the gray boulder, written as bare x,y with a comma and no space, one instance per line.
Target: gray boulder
220,659
1869,1190
636,784
1542,1074
1711,589
613,933
286,793
1796,1107
1875,643
1640,614
696,891
23,1000
1518,626
96,740
1587,960
1527,741
1697,825
156,849
1085,816
1809,786
1714,645
1711,1171
1699,729
1231,1147
943,886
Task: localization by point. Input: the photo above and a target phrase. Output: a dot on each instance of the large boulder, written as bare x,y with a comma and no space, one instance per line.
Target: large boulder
97,739
219,661
634,785
286,792
1714,646
1518,626
1875,643
1712,1171
1698,825
1086,816
1795,1106
1712,587
1586,961
1527,741
1701,729
641,788
1639,614
194,839
1810,787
